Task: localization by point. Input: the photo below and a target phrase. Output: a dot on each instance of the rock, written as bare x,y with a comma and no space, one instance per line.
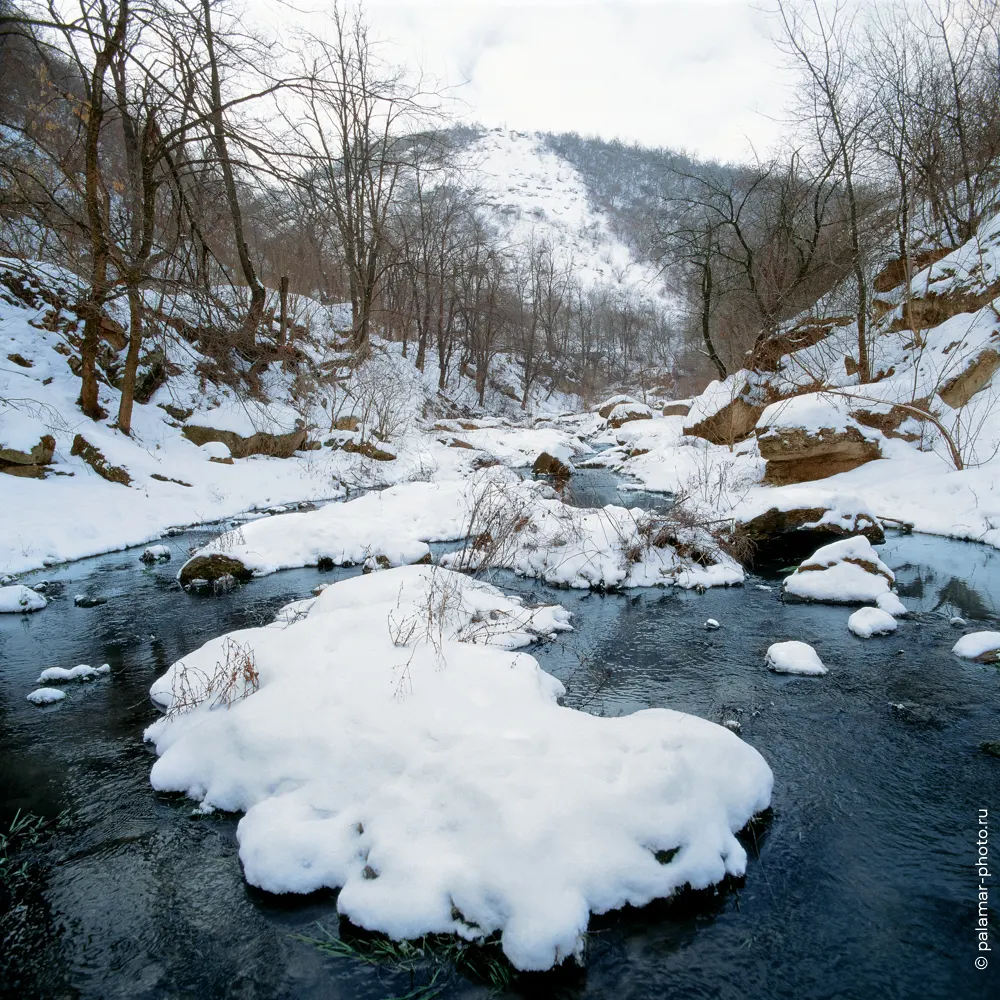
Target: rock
93,457
605,408
957,622
457,443
712,624
894,273
19,359
844,572
40,454
549,465
155,554
794,658
732,422
991,748
625,413
45,696
347,424
983,647
978,373
84,601
166,479
177,412
930,310
261,443
812,437
867,622
220,460
788,536
676,409
212,567
18,599
369,450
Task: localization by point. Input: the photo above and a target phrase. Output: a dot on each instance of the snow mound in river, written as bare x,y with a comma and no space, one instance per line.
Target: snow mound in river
399,748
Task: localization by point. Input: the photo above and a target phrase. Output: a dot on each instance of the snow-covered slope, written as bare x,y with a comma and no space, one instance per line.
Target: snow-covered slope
536,195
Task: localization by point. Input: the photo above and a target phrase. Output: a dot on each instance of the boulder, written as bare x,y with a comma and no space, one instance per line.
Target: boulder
211,568
624,413
40,454
810,437
731,422
260,443
844,572
549,465
677,409
605,408
782,537
983,647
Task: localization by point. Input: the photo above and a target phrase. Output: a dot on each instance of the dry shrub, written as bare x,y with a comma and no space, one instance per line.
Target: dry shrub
234,678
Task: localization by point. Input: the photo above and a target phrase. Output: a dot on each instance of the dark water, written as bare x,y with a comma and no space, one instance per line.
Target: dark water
864,884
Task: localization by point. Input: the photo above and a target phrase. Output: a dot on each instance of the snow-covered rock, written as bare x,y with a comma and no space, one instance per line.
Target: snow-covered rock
83,672
394,524
625,413
981,646
813,436
156,553
429,771
45,696
16,598
844,572
794,657
866,622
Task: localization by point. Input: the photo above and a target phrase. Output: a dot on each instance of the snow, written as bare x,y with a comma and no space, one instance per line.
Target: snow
890,602
832,573
977,645
537,535
45,696
866,622
156,553
394,523
16,598
434,757
83,672
794,657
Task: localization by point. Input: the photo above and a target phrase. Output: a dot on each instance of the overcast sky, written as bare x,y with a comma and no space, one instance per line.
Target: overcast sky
702,75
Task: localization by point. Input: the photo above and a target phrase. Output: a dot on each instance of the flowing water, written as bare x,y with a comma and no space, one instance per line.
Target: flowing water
861,885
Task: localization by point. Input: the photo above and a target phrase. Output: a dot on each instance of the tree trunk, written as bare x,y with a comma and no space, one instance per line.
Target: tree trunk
283,321
131,359
706,315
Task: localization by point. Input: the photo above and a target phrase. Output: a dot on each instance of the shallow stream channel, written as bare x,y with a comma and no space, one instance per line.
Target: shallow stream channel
861,883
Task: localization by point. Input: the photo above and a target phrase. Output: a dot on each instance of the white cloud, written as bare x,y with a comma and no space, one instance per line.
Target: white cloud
696,74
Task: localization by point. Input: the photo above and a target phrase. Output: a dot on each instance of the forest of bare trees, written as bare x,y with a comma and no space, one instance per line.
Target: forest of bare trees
167,151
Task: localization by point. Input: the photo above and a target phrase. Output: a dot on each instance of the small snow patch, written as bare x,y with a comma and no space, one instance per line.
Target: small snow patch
867,622
794,658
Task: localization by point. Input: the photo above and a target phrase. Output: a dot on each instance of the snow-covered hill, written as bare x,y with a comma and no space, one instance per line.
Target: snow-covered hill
537,195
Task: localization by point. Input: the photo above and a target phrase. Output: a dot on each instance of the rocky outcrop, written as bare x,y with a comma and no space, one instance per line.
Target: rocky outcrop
977,374
731,422
625,413
93,457
930,310
549,465
211,568
812,436
783,537
768,350
261,443
28,463
798,455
